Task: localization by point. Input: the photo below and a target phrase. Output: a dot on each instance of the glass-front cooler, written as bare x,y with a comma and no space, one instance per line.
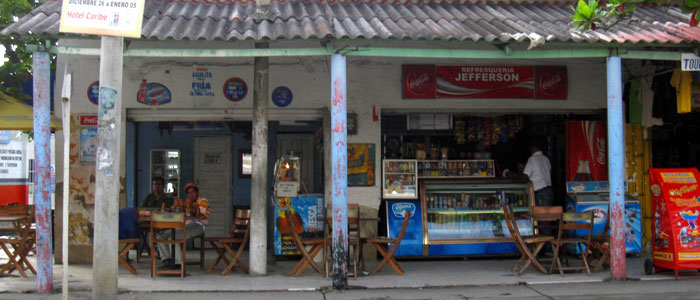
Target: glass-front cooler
462,217
400,179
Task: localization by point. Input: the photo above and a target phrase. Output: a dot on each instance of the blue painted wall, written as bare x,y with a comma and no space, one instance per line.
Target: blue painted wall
148,136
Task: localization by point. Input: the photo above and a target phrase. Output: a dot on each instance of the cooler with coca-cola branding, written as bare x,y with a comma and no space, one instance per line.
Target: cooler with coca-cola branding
675,206
586,151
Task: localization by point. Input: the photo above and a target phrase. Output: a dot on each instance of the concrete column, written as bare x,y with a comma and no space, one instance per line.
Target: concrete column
339,163
616,169
258,193
106,238
42,156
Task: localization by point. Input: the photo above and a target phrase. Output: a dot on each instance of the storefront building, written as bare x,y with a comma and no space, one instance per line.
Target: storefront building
479,80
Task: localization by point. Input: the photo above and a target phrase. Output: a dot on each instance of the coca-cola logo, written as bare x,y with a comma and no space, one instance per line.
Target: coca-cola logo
416,82
600,146
551,83
88,120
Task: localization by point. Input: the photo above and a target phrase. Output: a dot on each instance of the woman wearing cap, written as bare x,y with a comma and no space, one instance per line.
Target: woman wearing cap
196,225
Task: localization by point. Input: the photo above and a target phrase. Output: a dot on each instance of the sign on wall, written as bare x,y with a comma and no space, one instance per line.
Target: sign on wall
88,144
235,89
88,120
484,82
282,96
93,92
201,83
102,17
690,62
153,94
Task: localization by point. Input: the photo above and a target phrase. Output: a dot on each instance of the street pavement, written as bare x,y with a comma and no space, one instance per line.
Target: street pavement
619,290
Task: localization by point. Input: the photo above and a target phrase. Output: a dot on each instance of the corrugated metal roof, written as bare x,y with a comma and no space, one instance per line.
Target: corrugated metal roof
428,20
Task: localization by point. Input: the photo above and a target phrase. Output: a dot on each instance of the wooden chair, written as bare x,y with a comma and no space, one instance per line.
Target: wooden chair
21,237
529,246
354,238
544,226
307,259
600,246
168,221
573,221
239,235
126,245
381,244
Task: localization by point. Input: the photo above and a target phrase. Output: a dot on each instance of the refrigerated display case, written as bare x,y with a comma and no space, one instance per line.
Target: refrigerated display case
400,180
456,168
465,216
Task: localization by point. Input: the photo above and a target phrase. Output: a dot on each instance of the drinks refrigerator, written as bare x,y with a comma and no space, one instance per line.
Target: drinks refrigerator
461,217
594,196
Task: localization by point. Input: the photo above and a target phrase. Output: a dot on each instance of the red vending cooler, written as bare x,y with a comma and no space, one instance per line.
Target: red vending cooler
586,151
675,206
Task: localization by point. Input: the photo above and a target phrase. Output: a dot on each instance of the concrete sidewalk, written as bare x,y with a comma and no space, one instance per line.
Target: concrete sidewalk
419,274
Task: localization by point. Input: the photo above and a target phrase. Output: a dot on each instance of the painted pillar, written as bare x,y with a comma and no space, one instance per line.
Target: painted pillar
339,162
42,160
106,237
258,192
616,168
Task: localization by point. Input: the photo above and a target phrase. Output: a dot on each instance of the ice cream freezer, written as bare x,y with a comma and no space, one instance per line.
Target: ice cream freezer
583,196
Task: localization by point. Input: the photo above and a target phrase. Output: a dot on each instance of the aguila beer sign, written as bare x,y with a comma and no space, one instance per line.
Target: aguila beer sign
484,82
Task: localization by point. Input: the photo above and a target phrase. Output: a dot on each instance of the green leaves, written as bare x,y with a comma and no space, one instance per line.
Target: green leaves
589,15
586,15
19,61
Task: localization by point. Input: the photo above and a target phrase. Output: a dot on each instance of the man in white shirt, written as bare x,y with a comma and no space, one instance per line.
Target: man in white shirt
538,170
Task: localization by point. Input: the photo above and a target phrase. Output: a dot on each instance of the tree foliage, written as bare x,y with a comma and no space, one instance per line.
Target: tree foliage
18,66
592,15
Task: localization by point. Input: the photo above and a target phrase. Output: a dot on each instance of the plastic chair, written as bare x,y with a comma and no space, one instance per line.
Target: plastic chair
381,244
239,235
529,246
573,221
168,221
307,259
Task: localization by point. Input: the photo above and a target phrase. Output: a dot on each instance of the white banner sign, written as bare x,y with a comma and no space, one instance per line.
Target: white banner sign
690,62
13,159
102,17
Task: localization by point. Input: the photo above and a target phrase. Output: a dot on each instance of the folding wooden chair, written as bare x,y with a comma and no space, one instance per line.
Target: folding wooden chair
381,244
21,237
529,246
239,235
127,245
600,246
573,221
307,259
168,221
354,238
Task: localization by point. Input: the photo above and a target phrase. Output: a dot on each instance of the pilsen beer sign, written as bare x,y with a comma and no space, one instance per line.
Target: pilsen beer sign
511,82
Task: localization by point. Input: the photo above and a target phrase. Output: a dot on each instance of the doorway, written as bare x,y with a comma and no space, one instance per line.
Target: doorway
212,173
301,145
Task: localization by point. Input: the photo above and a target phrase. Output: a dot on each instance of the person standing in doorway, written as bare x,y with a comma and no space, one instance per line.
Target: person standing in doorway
538,169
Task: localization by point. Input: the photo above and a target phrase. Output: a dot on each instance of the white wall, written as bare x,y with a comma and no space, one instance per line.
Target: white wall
371,82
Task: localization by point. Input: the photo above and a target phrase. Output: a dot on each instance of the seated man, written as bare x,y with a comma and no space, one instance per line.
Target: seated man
158,197
195,225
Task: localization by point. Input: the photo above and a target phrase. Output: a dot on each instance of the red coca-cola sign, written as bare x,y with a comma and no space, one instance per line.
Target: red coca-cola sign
88,120
418,81
551,82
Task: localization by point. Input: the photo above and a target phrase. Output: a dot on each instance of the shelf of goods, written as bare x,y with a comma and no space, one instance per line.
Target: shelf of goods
455,168
463,217
400,179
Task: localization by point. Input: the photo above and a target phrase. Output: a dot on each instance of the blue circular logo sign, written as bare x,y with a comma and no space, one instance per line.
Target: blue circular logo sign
93,92
282,96
235,89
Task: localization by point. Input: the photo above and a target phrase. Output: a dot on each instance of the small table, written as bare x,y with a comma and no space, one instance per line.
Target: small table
22,228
